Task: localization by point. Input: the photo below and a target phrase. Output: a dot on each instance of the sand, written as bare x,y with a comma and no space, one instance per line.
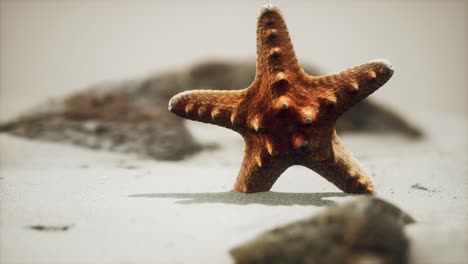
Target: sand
124,209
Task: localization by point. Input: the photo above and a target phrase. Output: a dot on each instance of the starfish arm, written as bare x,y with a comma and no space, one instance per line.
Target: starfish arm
209,106
275,52
341,168
259,170
350,86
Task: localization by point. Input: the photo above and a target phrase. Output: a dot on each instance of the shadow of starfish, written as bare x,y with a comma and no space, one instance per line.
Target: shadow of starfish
265,198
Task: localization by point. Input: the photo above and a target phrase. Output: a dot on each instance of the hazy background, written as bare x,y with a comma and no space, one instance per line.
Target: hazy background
53,48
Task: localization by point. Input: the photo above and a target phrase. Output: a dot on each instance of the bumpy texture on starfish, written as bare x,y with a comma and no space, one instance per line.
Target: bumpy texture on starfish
285,116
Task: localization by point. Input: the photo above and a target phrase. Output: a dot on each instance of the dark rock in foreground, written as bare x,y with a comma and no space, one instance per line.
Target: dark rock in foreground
132,116
366,230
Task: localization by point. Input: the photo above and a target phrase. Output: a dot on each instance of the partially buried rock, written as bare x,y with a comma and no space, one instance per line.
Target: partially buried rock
50,228
366,230
366,116
132,116
114,120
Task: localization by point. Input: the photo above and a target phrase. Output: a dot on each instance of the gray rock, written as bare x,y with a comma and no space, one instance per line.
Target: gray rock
112,121
132,116
366,116
366,230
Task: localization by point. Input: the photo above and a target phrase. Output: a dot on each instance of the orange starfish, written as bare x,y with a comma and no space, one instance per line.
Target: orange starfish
285,116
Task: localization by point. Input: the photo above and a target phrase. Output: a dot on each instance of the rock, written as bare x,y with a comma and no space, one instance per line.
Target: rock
218,75
366,230
50,228
113,121
132,116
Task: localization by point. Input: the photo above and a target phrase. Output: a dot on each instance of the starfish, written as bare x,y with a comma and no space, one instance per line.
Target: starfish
286,116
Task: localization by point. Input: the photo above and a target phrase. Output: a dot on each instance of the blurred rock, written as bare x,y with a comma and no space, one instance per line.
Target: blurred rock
366,230
50,228
367,116
110,120
132,116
